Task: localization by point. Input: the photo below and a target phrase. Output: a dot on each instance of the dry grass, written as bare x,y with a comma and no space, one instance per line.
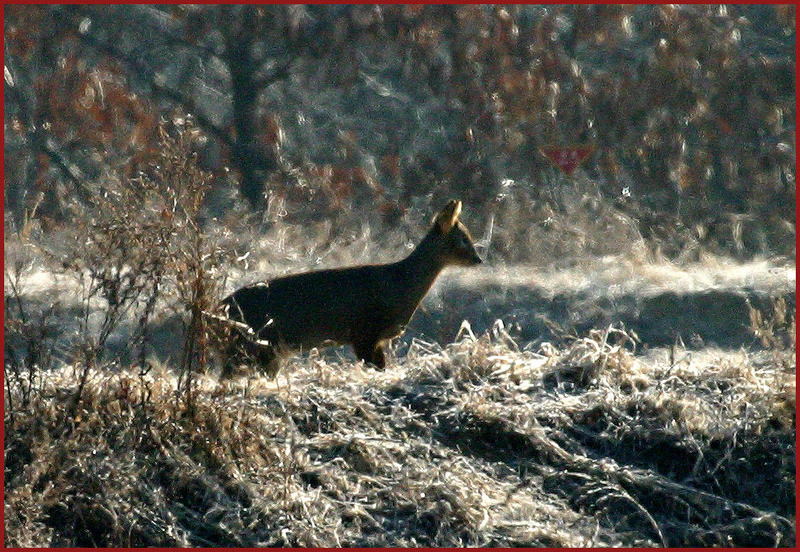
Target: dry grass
475,444
479,443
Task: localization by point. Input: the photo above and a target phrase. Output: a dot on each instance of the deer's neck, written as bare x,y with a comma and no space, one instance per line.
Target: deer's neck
419,270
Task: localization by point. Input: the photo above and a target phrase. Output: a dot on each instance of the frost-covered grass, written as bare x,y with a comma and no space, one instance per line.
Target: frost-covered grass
476,444
119,433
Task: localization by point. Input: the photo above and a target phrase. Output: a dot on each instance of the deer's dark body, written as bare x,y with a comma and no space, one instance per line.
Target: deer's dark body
362,306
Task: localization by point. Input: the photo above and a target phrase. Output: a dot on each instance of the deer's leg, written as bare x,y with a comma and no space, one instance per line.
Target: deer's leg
369,350
245,351
378,358
269,362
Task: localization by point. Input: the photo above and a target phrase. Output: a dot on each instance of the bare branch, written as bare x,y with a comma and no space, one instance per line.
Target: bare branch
148,75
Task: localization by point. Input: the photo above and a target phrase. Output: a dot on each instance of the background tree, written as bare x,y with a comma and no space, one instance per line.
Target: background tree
391,108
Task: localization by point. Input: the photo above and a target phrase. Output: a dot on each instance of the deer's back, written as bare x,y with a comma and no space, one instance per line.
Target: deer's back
310,308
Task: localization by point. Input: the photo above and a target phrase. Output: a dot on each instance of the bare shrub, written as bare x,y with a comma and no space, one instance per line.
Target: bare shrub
136,253
179,187
28,330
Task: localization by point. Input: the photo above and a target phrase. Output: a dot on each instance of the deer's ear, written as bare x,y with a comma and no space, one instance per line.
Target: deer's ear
448,216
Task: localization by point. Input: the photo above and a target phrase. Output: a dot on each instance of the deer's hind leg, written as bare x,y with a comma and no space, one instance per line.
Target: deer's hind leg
248,352
268,360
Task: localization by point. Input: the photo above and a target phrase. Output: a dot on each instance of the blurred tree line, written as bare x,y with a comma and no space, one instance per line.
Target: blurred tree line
390,108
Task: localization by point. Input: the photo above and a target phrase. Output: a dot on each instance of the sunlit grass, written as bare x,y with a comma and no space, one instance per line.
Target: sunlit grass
476,443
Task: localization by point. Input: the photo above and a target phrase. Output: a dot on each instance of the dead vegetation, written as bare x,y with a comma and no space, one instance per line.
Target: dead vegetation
475,444
484,442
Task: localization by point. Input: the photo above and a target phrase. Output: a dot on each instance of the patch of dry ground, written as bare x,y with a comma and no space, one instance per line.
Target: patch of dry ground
476,444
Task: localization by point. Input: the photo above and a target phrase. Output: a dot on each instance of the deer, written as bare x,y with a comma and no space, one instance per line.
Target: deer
363,306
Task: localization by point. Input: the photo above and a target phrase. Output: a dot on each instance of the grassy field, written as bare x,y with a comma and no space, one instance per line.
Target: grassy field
587,439
620,371
593,393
